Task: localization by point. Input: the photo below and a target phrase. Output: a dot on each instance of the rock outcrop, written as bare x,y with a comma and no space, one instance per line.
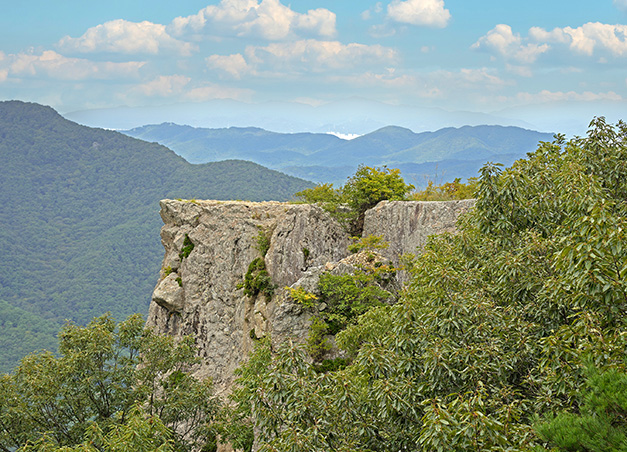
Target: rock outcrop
407,225
209,246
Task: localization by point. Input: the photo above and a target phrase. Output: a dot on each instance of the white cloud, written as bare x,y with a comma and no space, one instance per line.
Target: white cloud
419,12
376,9
387,79
621,4
211,91
431,85
382,31
481,76
556,96
121,36
234,65
502,41
53,65
181,87
522,71
269,20
164,86
585,39
319,56
317,21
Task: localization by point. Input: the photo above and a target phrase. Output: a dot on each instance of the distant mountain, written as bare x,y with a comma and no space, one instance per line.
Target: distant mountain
199,145
79,219
443,154
349,116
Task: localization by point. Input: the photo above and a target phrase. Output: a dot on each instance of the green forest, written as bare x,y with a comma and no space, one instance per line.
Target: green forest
80,220
511,336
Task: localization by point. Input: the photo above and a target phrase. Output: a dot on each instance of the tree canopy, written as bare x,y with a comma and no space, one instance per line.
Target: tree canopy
362,191
110,381
498,328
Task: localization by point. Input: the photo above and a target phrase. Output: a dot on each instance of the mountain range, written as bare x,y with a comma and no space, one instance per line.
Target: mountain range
439,156
350,116
79,219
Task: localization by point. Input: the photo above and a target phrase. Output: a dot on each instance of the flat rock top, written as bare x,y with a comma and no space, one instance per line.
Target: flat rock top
216,202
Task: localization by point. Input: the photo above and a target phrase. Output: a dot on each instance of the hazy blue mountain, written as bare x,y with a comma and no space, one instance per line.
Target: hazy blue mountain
348,116
79,219
351,116
327,158
199,145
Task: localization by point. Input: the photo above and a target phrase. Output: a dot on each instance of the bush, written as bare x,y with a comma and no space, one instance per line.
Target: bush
364,190
188,247
257,280
108,378
448,191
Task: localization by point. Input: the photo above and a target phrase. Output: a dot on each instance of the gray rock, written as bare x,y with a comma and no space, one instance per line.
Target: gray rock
304,242
406,225
211,305
169,294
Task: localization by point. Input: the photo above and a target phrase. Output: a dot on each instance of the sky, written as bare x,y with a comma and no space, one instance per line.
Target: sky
466,55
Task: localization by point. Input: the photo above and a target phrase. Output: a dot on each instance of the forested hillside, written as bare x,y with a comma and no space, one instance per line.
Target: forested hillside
80,222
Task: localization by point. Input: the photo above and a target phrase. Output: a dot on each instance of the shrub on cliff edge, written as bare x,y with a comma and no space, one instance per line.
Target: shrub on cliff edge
364,190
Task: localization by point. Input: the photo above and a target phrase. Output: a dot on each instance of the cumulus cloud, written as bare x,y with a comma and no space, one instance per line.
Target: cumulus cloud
53,65
234,65
319,56
317,21
122,36
429,13
585,39
502,41
268,19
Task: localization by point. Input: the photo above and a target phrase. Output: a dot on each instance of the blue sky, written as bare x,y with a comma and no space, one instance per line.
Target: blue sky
472,55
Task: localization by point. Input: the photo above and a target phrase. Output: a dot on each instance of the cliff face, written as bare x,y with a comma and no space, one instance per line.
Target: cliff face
407,225
201,294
